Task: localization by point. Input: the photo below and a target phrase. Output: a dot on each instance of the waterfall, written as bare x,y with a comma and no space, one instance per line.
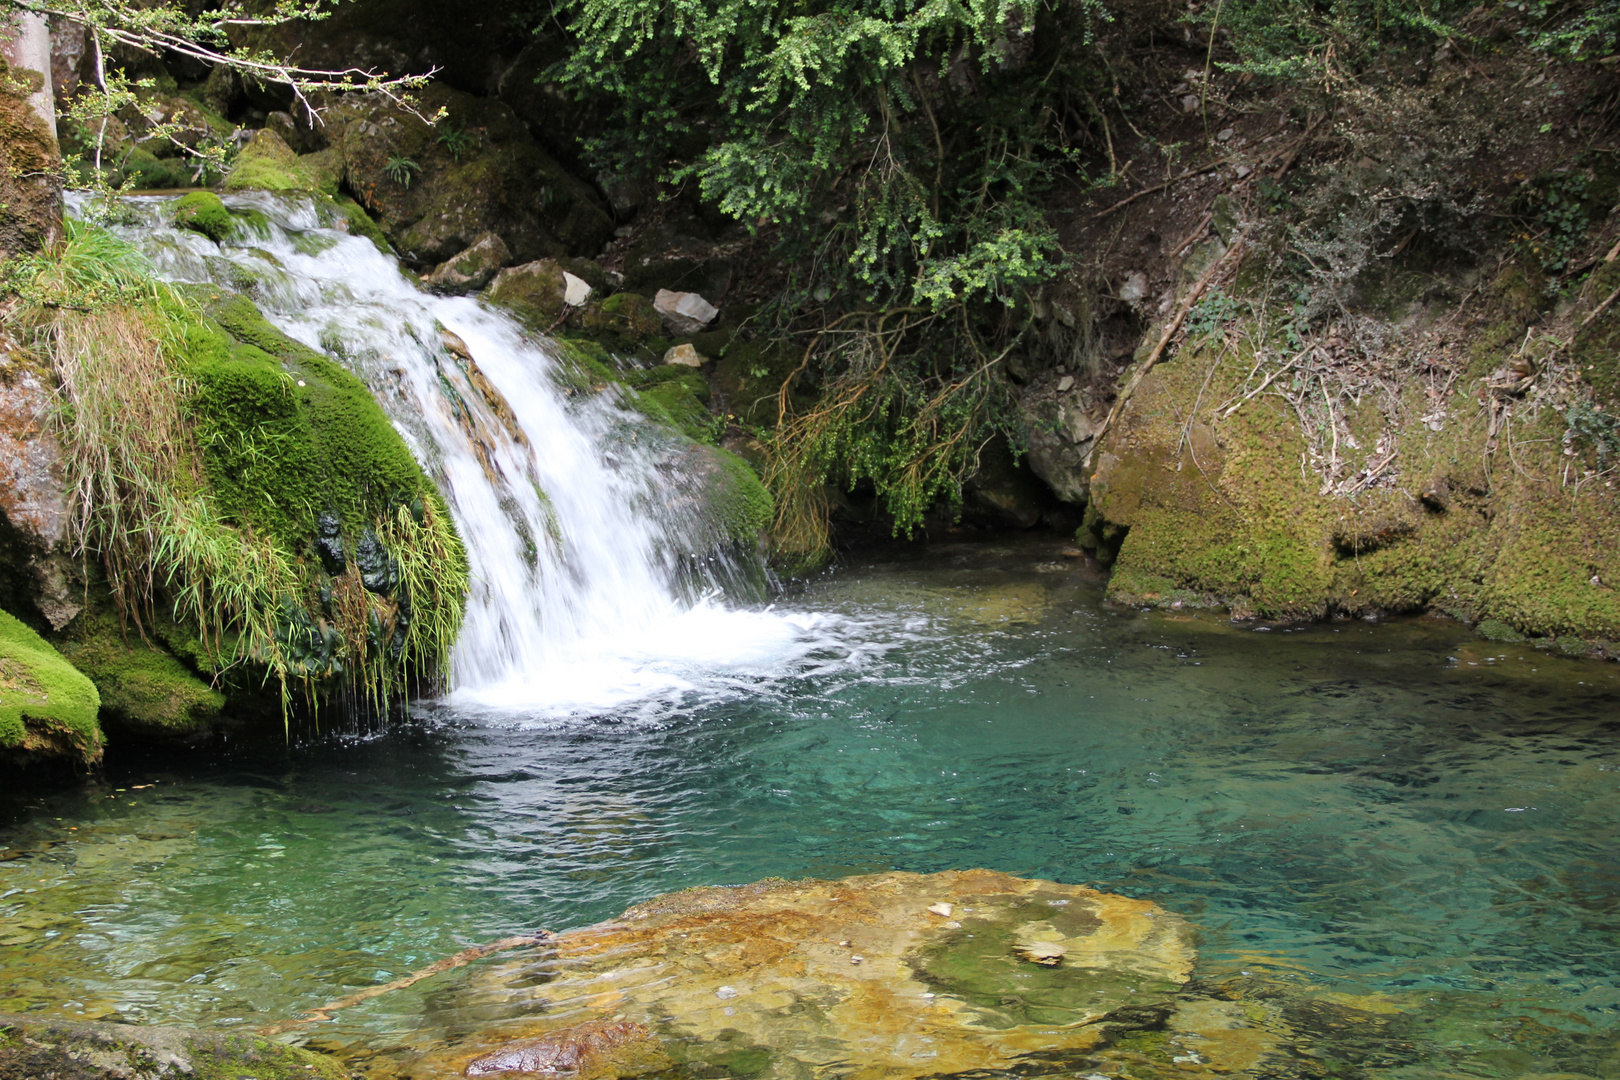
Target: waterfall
577,514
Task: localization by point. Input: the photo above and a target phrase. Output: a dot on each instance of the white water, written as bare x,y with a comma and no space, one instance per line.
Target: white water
578,530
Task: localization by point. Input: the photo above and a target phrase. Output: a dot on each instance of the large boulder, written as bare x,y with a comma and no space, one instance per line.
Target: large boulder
911,975
436,189
30,184
472,269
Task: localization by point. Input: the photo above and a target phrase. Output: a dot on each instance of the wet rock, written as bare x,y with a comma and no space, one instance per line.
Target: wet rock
379,571
925,999
536,292
267,163
684,312
35,1049
38,572
471,270
594,1050
329,544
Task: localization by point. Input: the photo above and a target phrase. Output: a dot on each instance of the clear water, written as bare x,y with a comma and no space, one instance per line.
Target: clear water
1394,809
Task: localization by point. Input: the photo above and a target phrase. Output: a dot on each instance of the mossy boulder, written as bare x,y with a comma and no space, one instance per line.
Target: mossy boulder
267,163
48,709
673,394
145,691
628,319
534,292
334,448
435,189
29,188
203,212
472,269
32,1048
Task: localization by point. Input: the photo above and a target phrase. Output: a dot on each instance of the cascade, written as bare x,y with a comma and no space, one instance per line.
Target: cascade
596,576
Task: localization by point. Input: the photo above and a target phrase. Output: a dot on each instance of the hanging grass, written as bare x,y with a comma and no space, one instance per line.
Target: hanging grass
137,433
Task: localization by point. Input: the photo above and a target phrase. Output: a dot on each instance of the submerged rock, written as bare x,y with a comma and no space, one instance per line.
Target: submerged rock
594,1049
767,972
35,1049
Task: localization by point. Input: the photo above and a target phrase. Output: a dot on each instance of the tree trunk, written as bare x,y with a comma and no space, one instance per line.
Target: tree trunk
30,160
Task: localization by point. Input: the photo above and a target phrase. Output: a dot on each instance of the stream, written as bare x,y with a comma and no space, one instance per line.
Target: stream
1396,814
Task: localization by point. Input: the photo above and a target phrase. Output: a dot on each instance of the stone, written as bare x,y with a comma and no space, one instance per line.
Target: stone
1065,384
785,948
471,270
37,566
685,355
48,708
683,312
536,292
941,909
433,196
1135,288
32,1048
576,290
594,1050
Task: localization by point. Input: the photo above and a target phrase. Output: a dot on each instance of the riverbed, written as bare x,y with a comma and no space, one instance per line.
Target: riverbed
1396,813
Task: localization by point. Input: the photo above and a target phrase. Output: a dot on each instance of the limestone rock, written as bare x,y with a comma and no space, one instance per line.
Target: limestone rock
576,290
683,312
925,1000
39,570
685,355
1134,289
472,269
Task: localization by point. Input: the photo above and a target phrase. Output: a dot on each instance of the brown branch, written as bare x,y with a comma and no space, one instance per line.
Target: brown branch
1158,350
460,959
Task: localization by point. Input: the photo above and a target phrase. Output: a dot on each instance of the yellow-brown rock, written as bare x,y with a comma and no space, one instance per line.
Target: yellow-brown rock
764,973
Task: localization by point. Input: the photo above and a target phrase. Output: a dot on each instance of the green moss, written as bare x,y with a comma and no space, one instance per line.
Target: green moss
628,317
267,163
676,405
47,707
359,223
743,504
203,212
1597,348
141,687
584,366
287,433
147,171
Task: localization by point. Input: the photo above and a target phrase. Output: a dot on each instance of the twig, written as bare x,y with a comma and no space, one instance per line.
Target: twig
1198,230
1158,350
460,959
1269,378
1599,310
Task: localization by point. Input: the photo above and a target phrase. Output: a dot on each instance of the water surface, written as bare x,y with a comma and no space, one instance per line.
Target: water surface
1397,810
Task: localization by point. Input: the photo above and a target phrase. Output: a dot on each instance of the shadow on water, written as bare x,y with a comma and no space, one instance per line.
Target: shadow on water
1397,812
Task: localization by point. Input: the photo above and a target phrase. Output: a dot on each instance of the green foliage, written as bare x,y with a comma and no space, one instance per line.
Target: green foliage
455,140
1555,207
1589,427
1581,31
401,170
1310,40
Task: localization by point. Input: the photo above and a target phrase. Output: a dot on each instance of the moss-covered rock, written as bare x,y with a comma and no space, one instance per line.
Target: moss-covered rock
267,163
144,690
739,500
353,219
533,292
36,1049
628,320
203,212
288,432
437,189
48,709
30,190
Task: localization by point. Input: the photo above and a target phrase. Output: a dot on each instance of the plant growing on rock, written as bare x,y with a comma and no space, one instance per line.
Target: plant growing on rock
401,170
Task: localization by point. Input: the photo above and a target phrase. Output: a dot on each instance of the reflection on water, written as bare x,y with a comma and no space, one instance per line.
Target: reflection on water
1395,810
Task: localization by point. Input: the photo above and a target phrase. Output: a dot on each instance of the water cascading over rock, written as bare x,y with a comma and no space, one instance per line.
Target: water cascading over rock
598,542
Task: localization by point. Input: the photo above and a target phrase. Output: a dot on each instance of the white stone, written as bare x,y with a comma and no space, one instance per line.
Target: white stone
1134,288
941,909
1065,384
575,290
684,312
725,992
684,355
